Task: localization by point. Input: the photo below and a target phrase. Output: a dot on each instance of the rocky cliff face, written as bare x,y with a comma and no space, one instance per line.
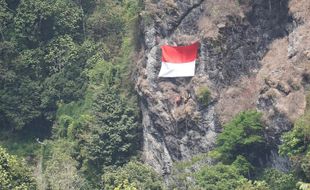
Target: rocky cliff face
254,54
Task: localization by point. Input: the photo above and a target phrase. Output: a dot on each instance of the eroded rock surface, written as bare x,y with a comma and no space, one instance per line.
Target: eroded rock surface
253,55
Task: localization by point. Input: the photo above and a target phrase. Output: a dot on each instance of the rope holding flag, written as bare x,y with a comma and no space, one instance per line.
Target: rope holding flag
178,61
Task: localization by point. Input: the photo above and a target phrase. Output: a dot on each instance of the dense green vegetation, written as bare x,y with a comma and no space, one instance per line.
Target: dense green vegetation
69,114
243,136
63,101
238,159
14,173
135,173
296,146
48,49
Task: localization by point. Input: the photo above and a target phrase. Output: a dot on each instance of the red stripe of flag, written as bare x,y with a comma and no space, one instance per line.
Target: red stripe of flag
179,54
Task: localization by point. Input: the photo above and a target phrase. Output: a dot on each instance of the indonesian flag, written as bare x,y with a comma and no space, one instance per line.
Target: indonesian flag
178,61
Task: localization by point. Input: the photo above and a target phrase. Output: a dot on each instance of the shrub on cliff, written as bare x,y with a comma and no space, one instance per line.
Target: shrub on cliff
219,177
243,135
278,180
203,95
226,177
133,174
296,145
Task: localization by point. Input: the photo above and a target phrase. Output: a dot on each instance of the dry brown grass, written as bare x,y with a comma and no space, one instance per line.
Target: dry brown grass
185,39
282,79
238,98
170,3
208,27
218,10
300,46
215,15
159,8
300,9
279,71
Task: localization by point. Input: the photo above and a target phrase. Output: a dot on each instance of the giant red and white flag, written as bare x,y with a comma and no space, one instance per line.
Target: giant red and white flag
178,61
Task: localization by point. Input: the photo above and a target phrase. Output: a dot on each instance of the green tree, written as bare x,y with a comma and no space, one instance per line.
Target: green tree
296,141
243,135
256,185
39,21
60,168
67,18
142,176
32,16
65,62
14,173
305,165
46,48
6,17
54,71
296,146
43,59
243,166
222,177
219,177
126,186
114,136
278,180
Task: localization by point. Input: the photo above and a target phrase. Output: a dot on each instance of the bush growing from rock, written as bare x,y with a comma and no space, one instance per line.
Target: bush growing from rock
203,95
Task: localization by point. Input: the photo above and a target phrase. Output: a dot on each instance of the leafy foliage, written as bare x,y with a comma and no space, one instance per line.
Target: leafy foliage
243,166
39,21
135,174
239,147
6,18
43,61
244,135
60,168
219,177
303,186
256,185
13,173
297,141
305,165
46,47
182,174
126,186
63,66
296,146
278,180
113,136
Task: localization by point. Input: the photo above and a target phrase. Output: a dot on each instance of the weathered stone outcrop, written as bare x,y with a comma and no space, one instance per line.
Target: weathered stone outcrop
251,56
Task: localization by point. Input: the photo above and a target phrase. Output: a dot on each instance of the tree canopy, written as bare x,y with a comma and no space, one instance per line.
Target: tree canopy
13,173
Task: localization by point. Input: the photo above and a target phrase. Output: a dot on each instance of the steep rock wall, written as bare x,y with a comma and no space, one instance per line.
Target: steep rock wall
250,58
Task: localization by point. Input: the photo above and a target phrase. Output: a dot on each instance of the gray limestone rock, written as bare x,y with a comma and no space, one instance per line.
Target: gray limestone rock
236,65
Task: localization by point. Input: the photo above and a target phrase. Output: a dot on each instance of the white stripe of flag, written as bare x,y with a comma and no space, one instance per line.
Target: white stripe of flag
177,69
178,61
